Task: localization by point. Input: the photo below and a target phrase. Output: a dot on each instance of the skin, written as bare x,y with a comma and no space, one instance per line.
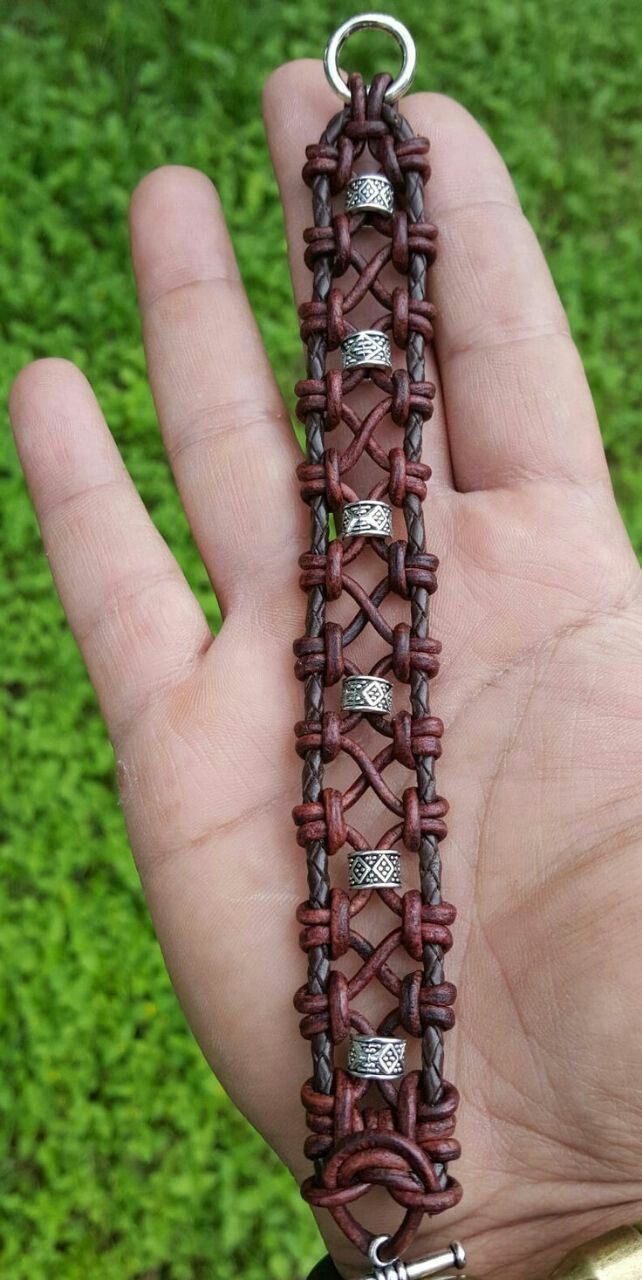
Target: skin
539,611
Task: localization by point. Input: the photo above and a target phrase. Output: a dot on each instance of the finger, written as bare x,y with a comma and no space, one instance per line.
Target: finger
517,401
226,431
129,606
297,105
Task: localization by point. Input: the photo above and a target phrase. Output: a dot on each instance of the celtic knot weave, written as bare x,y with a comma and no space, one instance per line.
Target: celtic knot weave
405,1144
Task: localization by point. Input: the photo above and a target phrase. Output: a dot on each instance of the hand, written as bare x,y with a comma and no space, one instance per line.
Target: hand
540,617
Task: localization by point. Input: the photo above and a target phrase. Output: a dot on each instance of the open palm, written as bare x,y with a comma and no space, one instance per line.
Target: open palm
539,612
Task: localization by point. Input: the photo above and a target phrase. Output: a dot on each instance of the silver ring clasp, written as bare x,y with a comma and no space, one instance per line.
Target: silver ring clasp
373,1251
368,22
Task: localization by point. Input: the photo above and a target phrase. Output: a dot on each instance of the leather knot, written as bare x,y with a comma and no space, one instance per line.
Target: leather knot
331,736
409,1003
401,658
311,397
400,320
406,477
312,480
328,160
310,656
335,323
334,570
345,157
321,159
397,482
421,571
333,398
412,157
341,260
411,924
402,739
397,568
339,923
387,156
426,737
334,659
401,389
339,1007
320,242
400,242
334,492
336,831
411,819
420,316
423,1006
421,239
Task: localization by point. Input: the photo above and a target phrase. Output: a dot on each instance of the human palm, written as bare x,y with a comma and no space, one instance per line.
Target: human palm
540,618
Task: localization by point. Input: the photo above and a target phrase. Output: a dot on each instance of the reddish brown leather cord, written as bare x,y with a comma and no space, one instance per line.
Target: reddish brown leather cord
407,1143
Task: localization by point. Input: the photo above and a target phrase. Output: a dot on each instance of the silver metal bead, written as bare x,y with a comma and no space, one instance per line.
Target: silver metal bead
375,869
370,193
366,518
367,693
367,349
376,1057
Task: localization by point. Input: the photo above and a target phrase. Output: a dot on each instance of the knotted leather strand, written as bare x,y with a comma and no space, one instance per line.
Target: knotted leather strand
406,1144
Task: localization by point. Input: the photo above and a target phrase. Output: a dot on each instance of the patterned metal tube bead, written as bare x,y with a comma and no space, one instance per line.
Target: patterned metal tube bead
370,193
366,518
367,693
376,1057
375,869
366,349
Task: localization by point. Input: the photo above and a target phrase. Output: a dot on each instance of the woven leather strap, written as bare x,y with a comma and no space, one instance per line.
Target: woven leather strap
406,1143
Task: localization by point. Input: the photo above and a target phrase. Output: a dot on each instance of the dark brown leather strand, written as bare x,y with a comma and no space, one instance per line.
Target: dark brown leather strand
406,1144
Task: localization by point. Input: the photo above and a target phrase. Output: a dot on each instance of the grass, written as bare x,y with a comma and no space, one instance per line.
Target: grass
120,1155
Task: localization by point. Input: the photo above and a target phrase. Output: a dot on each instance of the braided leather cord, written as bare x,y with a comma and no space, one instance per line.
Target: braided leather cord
407,1143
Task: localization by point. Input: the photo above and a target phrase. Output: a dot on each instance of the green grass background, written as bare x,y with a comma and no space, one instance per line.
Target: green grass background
120,1155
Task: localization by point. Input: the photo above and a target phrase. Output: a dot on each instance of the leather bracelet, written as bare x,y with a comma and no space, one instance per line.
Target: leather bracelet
368,171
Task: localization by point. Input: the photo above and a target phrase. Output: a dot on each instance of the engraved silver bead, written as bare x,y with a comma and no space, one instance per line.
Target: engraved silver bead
366,518
370,193
375,869
367,349
376,1057
367,693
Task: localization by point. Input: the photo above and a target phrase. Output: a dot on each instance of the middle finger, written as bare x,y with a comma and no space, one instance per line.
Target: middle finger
225,427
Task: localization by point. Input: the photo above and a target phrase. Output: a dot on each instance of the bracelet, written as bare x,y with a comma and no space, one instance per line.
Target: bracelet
369,155
358,715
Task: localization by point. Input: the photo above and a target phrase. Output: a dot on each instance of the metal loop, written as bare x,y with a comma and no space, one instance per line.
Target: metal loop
373,1251
367,22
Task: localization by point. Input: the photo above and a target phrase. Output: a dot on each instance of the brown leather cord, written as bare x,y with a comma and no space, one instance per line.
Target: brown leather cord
406,1144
